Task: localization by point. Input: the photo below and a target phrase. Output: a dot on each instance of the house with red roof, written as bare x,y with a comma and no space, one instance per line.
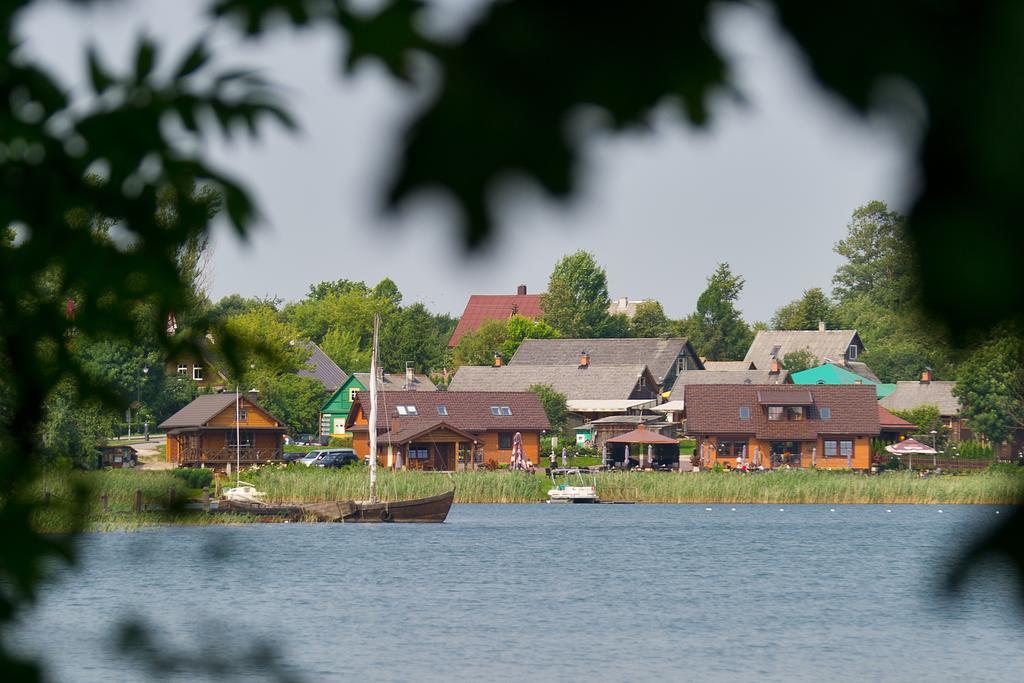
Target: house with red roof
481,307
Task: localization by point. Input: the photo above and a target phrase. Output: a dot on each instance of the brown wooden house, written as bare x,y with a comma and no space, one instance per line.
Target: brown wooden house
448,430
206,433
823,426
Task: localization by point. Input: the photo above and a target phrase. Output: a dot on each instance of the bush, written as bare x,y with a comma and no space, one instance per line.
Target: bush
971,450
342,441
1003,468
194,477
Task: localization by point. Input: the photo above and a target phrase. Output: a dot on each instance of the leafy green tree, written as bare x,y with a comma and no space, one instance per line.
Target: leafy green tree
927,419
340,287
555,405
650,320
879,260
518,328
716,328
797,361
478,347
73,428
991,387
806,312
386,292
236,304
576,303
414,334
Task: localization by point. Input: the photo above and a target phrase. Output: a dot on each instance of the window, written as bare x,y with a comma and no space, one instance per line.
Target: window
825,412
442,410
245,438
401,410
506,411
846,449
418,453
852,353
744,412
775,350
795,413
682,364
642,384
243,415
504,441
182,368
775,413
411,410
495,410
831,449
501,411
197,372
352,395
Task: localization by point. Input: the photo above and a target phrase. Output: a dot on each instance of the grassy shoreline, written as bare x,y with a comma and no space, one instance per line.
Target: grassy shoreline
304,485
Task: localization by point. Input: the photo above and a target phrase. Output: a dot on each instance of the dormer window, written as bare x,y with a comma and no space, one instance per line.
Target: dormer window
795,413
852,352
776,413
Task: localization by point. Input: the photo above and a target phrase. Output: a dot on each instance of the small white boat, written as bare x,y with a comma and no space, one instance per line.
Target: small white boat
571,490
244,493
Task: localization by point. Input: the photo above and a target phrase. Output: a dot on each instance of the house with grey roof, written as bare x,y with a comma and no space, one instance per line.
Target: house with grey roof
220,430
842,347
927,391
665,357
729,365
591,391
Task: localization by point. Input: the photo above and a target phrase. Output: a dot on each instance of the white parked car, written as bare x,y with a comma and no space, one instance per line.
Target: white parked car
312,457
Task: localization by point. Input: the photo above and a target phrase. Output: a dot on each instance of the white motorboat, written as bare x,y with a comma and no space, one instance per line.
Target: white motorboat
244,493
572,489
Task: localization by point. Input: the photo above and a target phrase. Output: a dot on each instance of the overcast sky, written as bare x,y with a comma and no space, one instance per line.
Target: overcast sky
768,187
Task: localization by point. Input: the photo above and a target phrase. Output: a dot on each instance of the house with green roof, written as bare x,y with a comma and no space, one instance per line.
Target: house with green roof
336,409
829,373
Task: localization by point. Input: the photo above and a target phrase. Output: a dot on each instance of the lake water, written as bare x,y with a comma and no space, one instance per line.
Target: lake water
540,592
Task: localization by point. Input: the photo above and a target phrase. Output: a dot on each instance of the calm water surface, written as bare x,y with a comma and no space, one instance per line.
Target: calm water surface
538,592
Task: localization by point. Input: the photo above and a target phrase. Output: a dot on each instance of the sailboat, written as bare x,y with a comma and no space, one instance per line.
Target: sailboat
430,509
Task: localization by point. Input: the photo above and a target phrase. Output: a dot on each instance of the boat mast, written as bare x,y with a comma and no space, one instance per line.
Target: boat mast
373,412
238,441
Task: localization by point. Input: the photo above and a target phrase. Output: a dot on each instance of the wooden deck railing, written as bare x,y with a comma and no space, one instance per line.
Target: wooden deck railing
246,455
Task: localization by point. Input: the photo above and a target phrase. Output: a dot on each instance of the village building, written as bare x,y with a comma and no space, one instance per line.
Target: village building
336,408
591,391
772,426
211,432
448,430
831,373
320,367
613,426
481,307
927,391
842,347
673,409
893,428
625,306
665,357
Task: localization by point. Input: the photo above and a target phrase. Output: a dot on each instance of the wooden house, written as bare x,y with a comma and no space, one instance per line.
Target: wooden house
841,347
210,432
335,410
927,391
117,457
828,427
448,430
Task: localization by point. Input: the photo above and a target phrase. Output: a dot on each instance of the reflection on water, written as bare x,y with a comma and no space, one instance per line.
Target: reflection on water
540,592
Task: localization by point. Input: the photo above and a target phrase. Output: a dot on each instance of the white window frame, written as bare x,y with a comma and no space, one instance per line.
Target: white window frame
851,352
183,369
845,448
401,410
197,373
506,411
831,448
442,410
352,394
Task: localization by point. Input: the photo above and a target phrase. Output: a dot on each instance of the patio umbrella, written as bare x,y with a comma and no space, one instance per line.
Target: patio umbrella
398,459
910,447
565,457
518,460
650,455
625,455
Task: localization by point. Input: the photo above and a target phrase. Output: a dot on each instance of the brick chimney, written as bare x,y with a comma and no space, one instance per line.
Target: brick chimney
821,326
521,290
926,376
408,375
584,360
775,367
499,359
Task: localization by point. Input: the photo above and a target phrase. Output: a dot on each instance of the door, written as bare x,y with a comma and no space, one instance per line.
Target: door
444,456
786,453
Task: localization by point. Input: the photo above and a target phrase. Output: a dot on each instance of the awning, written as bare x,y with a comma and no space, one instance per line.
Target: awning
669,407
608,405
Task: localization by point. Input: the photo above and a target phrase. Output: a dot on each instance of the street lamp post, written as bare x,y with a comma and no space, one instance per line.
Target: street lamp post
934,448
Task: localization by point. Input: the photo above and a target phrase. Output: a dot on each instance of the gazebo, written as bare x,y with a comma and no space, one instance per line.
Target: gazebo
641,435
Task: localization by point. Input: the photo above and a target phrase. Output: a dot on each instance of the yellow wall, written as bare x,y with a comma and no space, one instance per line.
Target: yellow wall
861,452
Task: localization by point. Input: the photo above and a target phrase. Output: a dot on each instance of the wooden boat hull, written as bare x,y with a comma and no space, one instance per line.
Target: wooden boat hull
433,509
